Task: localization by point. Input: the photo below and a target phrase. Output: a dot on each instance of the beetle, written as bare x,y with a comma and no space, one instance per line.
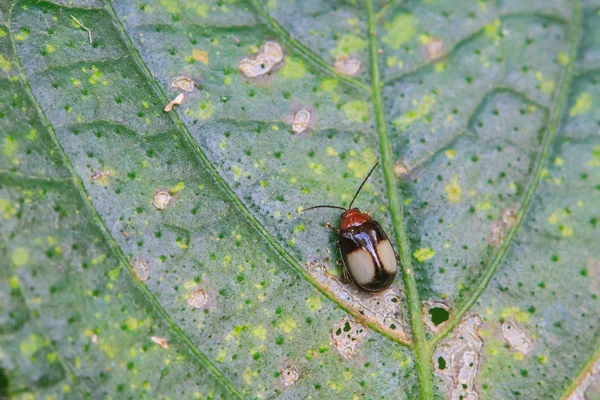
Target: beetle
366,251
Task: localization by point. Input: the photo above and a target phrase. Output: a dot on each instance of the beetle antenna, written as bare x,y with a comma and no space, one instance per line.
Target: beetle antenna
363,183
324,206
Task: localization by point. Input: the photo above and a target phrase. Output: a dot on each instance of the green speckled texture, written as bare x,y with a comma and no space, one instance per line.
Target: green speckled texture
491,108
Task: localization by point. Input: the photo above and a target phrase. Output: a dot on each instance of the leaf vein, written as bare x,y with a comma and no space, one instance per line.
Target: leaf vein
534,183
396,336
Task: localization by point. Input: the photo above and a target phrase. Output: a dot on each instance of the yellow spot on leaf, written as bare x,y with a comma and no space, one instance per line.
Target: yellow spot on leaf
400,30
201,56
491,30
546,85
440,67
50,49
9,146
6,209
356,111
108,350
294,68
5,64
543,359
483,206
20,256
363,166
453,190
563,58
132,323
314,303
22,36
248,375
424,254
287,324
566,231
516,313
177,188
13,282
348,45
331,152
421,110
316,167
329,85
260,332
202,10
31,345
559,162
450,154
582,105
206,110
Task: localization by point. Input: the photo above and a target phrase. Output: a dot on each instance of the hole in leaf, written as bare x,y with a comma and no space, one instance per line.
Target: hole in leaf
438,315
441,363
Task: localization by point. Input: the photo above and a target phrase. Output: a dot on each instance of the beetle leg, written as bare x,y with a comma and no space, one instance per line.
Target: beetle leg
347,277
397,255
333,228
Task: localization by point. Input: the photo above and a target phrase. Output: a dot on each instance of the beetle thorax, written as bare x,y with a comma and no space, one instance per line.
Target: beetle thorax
352,218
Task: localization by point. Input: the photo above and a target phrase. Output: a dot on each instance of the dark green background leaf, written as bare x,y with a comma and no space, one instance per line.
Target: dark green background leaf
484,116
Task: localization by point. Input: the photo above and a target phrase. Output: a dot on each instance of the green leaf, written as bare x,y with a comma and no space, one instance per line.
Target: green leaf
162,254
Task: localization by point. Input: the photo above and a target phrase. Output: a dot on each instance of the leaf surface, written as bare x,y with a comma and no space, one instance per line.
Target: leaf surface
159,254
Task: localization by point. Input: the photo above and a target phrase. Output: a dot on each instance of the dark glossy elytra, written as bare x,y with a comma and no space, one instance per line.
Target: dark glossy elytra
367,254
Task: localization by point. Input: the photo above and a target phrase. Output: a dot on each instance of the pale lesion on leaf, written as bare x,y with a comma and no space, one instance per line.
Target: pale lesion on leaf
382,311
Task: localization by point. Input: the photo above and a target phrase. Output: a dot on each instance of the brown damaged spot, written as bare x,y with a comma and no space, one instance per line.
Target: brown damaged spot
289,376
381,309
458,359
197,299
401,168
434,49
162,342
161,199
268,57
501,227
348,65
436,315
301,120
141,269
176,101
102,177
516,338
347,336
183,83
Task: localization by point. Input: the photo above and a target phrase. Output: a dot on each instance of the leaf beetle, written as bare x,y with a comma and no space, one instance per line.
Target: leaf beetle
367,254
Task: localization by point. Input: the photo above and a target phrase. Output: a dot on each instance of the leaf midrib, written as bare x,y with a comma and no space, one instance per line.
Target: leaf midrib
423,360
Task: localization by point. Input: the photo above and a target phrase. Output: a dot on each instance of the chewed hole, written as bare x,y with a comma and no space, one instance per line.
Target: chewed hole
438,315
441,363
346,327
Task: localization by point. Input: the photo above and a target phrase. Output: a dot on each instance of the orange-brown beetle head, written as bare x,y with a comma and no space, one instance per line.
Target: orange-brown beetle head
353,217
